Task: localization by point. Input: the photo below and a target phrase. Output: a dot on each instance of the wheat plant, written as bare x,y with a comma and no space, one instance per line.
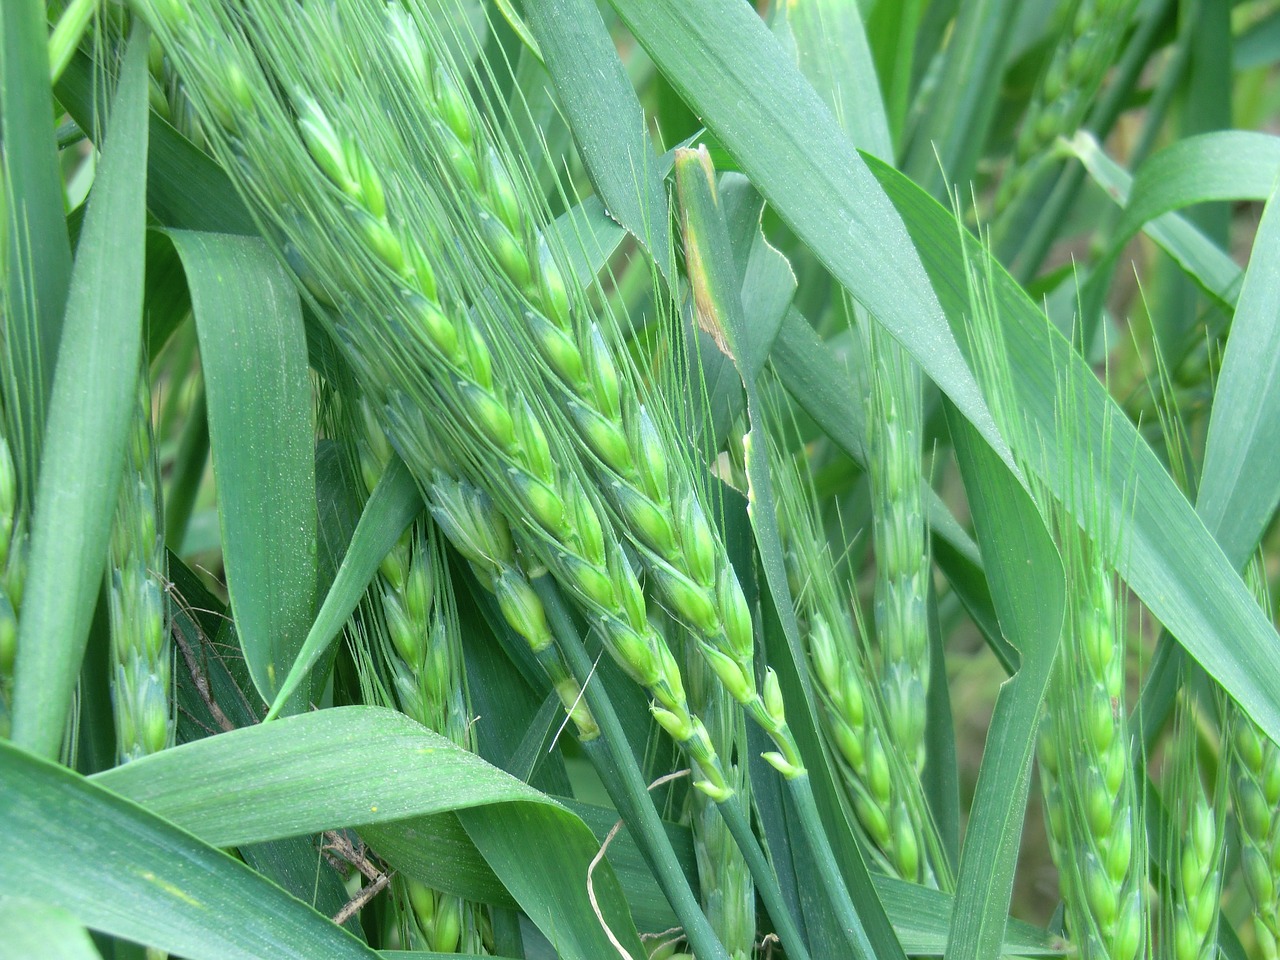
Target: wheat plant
641,478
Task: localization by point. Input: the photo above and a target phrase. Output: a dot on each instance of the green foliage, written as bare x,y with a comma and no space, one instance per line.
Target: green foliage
453,495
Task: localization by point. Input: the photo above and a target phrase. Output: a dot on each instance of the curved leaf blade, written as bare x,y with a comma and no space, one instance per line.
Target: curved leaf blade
38,263
605,116
393,505
30,928
1225,165
122,870
1028,590
730,69
254,357
1240,481
89,413
357,766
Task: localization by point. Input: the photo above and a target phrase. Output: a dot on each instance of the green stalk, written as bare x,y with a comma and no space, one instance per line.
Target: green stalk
67,34
611,758
766,881
724,880
801,790
622,779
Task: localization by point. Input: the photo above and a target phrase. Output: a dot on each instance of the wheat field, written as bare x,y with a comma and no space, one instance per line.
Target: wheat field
641,478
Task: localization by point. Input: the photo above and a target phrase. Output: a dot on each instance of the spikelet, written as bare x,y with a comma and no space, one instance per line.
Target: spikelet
879,780
1255,796
141,686
1194,865
895,422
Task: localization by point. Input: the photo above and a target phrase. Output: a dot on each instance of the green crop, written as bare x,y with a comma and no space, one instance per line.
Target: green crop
642,478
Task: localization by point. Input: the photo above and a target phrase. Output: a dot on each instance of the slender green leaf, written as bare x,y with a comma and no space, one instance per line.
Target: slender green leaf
89,415
832,52
590,236
391,508
1227,165
949,139
186,190
730,69
1169,558
1259,46
921,917
29,928
38,263
1240,482
127,872
296,866
1029,593
1199,256
355,766
254,357
605,117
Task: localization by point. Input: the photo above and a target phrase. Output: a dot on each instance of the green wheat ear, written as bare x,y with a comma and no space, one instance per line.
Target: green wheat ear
895,424
141,688
1197,840
1089,34
1092,800
1255,797
343,194
876,772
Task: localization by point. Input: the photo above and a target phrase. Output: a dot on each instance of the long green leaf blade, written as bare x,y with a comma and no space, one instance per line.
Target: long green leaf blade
731,70
1029,594
605,117
393,505
355,766
1240,482
254,357
185,188
1227,165
38,264
30,928
89,414
122,870
949,140
832,52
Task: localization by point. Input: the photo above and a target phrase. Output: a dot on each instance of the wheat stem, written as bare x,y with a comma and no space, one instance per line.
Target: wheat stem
12,574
